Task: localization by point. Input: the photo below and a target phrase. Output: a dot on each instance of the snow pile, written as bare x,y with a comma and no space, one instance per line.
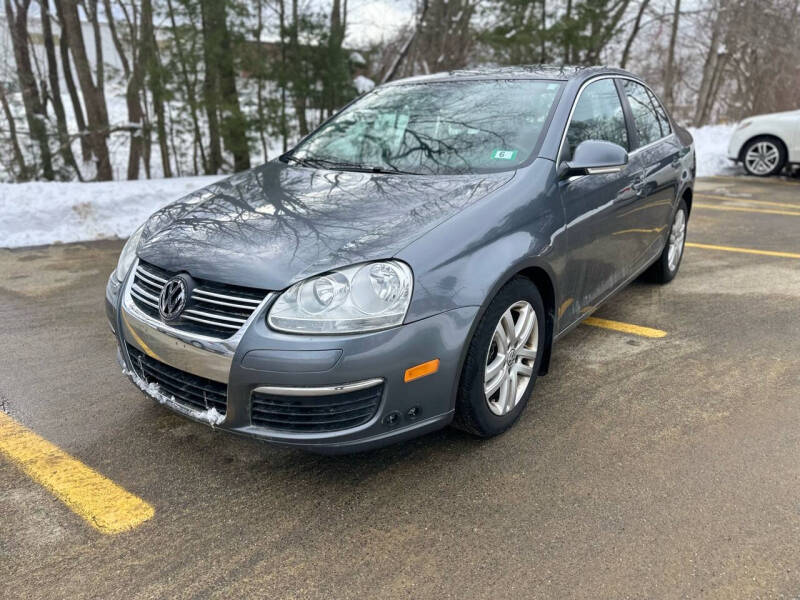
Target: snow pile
46,212
711,146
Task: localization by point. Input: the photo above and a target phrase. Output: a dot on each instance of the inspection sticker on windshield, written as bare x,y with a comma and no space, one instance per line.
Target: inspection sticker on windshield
504,154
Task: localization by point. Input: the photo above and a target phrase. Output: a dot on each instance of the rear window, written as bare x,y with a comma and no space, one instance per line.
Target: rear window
645,118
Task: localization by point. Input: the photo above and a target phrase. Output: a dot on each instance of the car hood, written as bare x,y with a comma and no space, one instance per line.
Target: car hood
277,224
789,114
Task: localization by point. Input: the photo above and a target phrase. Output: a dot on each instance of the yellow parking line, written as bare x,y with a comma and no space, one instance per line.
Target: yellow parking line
105,505
743,250
745,180
769,211
625,327
795,206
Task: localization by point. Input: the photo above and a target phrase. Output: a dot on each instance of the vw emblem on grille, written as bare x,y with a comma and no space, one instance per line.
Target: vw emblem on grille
172,300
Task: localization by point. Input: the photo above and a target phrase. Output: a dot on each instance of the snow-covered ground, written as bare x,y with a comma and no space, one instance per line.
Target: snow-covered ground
46,212
711,146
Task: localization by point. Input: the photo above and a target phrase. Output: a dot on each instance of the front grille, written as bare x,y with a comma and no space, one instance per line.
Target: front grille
192,391
216,310
315,413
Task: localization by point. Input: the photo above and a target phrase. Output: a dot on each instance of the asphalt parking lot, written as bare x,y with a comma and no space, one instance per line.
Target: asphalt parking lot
645,467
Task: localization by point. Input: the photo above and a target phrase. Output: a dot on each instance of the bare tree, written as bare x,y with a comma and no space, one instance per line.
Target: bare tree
19,158
77,107
298,85
149,56
189,85
669,70
637,24
391,72
17,15
94,97
55,88
134,78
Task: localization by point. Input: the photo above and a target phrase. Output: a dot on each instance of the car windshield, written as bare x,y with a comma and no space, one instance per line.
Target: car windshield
448,127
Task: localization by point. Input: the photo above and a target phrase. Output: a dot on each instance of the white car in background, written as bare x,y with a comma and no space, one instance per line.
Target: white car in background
765,144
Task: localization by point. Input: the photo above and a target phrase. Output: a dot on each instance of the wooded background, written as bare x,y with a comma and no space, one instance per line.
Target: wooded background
113,89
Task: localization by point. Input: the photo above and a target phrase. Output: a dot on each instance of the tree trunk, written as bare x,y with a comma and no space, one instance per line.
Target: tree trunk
188,87
634,32
260,81
543,34
336,74
23,174
567,38
95,104
77,107
131,94
149,56
669,73
709,70
34,109
391,73
298,95
221,79
211,87
91,8
65,148
282,72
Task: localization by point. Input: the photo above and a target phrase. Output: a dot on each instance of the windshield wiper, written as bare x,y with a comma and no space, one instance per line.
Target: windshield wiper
326,163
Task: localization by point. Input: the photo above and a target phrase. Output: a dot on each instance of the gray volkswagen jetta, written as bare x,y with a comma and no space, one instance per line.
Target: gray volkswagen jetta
410,263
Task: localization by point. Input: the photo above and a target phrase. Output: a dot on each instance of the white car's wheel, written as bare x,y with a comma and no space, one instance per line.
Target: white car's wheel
764,156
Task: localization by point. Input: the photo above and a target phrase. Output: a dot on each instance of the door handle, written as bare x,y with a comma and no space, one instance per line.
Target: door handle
638,185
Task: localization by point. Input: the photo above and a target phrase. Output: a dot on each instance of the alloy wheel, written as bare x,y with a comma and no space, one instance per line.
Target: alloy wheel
511,358
762,158
677,235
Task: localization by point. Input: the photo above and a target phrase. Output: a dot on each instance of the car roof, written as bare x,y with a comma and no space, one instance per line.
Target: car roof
560,73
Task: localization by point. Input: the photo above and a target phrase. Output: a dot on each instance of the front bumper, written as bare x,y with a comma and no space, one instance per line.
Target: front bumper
737,140
258,357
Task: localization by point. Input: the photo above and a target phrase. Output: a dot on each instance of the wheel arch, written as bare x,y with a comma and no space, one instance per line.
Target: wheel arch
688,195
773,136
544,283
544,280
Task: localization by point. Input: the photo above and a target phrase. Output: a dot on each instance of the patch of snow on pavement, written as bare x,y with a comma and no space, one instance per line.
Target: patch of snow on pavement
42,212
711,146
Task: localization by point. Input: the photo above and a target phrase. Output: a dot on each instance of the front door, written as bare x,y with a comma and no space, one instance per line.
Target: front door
599,209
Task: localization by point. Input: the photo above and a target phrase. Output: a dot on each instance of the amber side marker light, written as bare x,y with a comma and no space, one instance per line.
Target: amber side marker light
426,368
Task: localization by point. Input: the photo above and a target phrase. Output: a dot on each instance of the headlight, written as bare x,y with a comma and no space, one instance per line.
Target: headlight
360,298
128,255
743,124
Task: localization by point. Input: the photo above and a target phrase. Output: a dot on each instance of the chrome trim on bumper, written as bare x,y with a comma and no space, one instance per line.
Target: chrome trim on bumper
327,390
197,354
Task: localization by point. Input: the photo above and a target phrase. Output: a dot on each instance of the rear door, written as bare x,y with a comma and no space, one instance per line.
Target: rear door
597,207
658,149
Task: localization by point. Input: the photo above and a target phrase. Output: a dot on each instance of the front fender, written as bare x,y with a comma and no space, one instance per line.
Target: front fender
464,261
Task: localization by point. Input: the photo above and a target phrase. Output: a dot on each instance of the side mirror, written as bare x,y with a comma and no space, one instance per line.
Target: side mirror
594,157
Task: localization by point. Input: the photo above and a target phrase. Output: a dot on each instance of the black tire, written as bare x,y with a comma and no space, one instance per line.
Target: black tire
661,271
472,410
771,142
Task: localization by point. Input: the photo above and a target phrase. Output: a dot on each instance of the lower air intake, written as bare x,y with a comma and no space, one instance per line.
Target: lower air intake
315,413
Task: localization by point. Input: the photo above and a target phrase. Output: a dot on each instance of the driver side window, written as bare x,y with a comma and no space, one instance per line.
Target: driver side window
597,116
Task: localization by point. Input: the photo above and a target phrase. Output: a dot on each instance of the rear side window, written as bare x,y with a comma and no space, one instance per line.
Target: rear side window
663,121
598,116
645,118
